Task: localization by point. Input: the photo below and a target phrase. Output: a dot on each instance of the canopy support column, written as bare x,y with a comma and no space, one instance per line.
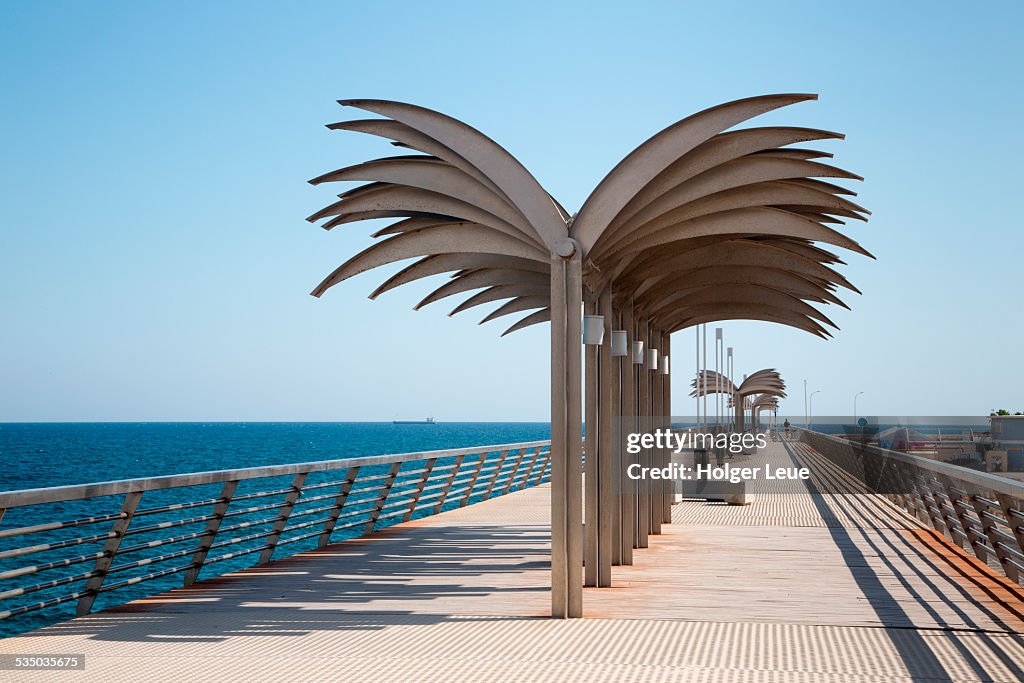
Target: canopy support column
566,436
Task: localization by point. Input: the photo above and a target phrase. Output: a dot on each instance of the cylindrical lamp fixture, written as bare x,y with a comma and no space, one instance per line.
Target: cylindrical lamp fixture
664,365
620,343
638,353
593,329
652,359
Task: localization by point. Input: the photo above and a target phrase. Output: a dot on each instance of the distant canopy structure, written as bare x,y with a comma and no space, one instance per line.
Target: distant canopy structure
698,224
762,381
765,383
761,403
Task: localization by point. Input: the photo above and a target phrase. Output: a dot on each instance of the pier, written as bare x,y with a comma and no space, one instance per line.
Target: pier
802,584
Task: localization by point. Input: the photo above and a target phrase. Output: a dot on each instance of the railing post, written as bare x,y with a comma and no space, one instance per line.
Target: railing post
497,473
339,502
529,469
515,472
120,525
964,521
282,517
987,528
943,495
419,489
448,485
934,510
382,497
1006,504
472,481
206,540
889,479
916,504
872,468
543,468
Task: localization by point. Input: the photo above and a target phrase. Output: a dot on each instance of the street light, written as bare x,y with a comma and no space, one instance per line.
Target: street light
806,412
810,408
855,405
728,374
718,375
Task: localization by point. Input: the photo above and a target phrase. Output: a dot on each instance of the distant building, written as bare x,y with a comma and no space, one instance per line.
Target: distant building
1008,441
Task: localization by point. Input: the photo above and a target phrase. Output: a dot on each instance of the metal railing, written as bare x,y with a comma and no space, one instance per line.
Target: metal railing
980,512
220,516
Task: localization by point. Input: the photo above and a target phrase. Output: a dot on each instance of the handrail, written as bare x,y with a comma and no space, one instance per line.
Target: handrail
352,495
9,499
982,511
985,480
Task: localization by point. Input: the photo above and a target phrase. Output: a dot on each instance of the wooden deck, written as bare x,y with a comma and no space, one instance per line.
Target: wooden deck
797,586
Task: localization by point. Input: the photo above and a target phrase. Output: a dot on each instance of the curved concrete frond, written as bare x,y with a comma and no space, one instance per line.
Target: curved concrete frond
726,294
652,157
417,202
667,292
410,224
485,277
414,139
802,246
499,292
732,311
751,254
737,175
794,153
711,382
747,221
520,303
720,149
434,175
536,318
443,239
822,185
483,153
445,263
766,194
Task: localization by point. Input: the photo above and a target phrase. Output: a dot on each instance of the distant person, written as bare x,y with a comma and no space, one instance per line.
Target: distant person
785,427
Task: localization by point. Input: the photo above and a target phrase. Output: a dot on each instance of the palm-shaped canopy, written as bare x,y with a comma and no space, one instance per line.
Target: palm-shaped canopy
700,223
696,225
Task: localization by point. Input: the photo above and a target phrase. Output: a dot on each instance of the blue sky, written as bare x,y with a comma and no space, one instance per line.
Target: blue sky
155,264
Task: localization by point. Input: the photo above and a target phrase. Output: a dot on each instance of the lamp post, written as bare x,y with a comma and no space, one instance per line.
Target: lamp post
718,376
806,412
810,408
855,405
696,329
704,329
728,374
